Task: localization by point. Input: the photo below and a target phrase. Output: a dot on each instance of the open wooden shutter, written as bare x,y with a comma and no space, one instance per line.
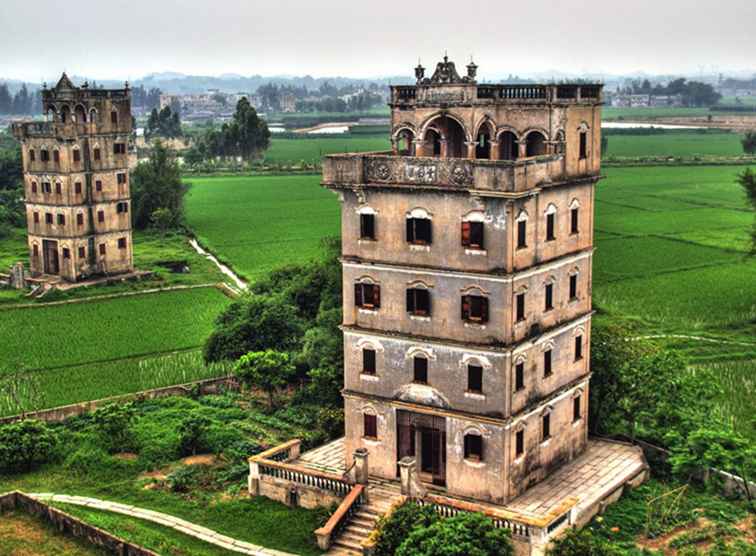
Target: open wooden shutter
465,307
484,309
358,295
376,296
410,230
410,301
429,230
465,234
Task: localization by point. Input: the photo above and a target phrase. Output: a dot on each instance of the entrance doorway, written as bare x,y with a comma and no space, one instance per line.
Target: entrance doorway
50,254
424,438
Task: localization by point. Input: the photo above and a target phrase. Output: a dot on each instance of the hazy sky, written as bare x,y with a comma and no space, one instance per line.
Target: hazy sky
362,38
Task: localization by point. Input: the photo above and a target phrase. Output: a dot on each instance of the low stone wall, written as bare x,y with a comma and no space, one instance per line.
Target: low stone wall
70,525
294,494
57,414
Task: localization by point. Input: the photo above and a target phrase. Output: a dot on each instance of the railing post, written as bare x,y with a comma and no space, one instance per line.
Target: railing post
407,469
253,485
361,466
295,449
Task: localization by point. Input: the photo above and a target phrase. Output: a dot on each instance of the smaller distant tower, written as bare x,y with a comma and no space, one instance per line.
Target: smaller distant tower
76,182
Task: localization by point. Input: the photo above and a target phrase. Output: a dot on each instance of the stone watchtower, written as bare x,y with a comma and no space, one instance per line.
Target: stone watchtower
467,282
76,182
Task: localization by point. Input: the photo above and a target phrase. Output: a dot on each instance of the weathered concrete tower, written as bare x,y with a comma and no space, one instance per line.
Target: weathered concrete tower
467,282
76,182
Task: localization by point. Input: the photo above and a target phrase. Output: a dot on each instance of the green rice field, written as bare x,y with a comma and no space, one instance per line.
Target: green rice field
677,144
260,223
313,149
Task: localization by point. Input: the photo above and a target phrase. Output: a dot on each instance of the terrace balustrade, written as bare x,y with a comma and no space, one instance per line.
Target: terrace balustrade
411,94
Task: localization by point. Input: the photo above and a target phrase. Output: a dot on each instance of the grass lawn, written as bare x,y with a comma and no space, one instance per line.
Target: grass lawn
24,535
313,149
263,222
678,144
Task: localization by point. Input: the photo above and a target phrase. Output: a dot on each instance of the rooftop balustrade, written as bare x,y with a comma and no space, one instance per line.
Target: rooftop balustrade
405,95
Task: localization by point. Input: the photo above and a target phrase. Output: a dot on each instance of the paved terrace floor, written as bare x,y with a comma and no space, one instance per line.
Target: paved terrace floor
599,471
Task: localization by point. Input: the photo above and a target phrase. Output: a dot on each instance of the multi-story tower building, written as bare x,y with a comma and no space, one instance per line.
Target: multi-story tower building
467,282
76,182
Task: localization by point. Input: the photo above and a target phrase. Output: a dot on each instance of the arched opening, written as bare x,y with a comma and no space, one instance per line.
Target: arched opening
433,141
508,146
65,114
452,133
81,114
535,144
483,142
405,143
50,114
92,115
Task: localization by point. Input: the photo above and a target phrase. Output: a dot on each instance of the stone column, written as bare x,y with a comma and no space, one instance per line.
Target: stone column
522,148
444,149
471,149
494,150
406,470
253,485
420,148
295,450
361,466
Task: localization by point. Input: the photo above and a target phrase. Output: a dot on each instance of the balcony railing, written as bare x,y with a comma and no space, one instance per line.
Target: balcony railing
571,93
454,173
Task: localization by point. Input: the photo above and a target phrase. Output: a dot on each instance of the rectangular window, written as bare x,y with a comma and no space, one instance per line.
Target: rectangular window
583,146
475,308
56,156
370,426
419,231
367,296
418,302
77,155
36,218
61,220
119,148
114,117
98,185
520,301
101,216
44,155
58,189
546,427
367,226
547,369
578,348
79,219
474,378
122,207
32,155
77,188
549,297
35,251
82,252
522,234
121,243
519,376
550,225
97,154
420,374
474,447
368,361
48,218
576,409
46,187
121,178
520,443
102,249
472,235
573,287
66,253
34,187
574,214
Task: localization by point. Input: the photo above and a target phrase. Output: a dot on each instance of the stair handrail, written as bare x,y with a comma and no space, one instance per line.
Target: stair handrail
352,501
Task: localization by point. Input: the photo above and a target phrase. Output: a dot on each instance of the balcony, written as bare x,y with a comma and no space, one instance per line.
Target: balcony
505,176
409,95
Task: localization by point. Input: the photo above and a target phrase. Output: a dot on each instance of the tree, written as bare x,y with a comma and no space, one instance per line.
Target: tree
6,100
255,323
465,534
25,445
749,142
247,132
192,433
156,184
747,181
268,370
113,424
393,529
166,123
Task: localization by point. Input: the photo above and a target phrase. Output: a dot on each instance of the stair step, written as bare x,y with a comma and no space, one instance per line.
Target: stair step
355,529
348,544
363,522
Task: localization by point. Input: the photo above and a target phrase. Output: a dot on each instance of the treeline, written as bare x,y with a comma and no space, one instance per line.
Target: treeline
12,210
22,103
692,93
326,98
355,103
148,99
165,123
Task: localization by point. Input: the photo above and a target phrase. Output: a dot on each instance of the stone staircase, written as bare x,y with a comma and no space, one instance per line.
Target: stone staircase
381,496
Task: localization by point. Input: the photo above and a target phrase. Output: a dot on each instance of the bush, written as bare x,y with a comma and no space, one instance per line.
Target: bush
88,459
465,534
25,445
189,477
192,432
582,542
395,528
113,424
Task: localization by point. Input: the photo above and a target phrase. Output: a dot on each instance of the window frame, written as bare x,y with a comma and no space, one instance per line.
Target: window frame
519,381
551,226
473,235
575,220
520,311
577,410
416,297
473,449
548,362
579,347
370,425
474,377
573,287
369,362
548,297
522,234
413,230
469,302
360,289
420,369
545,427
367,226
519,443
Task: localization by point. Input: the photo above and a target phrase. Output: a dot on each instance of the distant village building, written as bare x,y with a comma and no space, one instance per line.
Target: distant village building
76,182
467,261
288,102
211,104
625,100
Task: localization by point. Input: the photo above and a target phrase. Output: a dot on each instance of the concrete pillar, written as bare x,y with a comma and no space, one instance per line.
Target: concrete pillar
522,148
394,146
444,149
253,484
494,150
406,470
295,450
361,466
470,149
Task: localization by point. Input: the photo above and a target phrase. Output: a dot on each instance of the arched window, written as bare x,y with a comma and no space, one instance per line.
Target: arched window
519,373
546,425
583,135
80,114
559,140
418,299
433,140
508,146
367,223
65,114
92,116
452,132
473,230
483,141
522,229
405,142
551,214
367,294
418,227
574,217
535,144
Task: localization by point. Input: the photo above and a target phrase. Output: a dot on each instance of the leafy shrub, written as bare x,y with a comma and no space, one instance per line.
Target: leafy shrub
113,424
88,459
395,528
25,445
189,477
582,542
269,370
192,432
